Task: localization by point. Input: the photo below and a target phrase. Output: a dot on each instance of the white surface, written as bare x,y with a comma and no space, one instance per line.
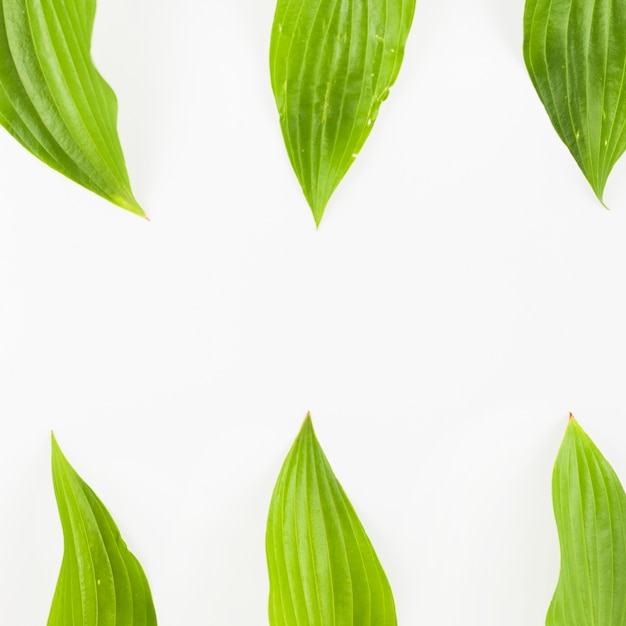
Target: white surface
465,292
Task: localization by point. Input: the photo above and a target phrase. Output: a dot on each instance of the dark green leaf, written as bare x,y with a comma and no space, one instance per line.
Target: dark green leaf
322,567
52,99
101,583
332,63
590,511
575,52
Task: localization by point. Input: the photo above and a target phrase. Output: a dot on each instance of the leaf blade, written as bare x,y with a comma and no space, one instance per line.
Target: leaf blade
575,54
590,512
101,583
332,63
323,569
54,101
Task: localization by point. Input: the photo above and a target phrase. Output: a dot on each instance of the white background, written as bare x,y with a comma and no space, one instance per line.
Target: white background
464,292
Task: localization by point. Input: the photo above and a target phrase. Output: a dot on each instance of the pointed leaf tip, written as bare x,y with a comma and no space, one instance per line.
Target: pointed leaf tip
100,581
589,502
54,101
575,53
322,566
332,65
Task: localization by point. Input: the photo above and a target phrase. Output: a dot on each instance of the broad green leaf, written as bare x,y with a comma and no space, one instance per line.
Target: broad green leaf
575,52
54,101
101,583
332,63
323,570
590,511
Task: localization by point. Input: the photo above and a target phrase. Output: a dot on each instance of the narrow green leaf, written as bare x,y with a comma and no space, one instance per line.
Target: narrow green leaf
54,101
323,570
575,52
101,583
590,510
332,63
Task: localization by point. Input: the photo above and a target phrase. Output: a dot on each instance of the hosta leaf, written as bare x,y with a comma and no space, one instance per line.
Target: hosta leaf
575,52
590,511
323,570
101,583
332,63
54,101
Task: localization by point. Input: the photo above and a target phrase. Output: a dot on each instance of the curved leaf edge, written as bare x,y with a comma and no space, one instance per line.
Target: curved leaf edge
34,117
99,579
296,580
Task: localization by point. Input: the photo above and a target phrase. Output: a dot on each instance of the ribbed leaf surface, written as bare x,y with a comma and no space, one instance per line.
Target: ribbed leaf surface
332,63
575,52
101,583
52,99
590,511
322,567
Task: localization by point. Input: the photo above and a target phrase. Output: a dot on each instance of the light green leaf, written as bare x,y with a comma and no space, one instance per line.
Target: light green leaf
575,52
332,63
323,570
590,511
101,583
54,101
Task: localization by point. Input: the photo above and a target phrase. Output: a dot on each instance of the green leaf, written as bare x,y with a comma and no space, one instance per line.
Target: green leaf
101,583
323,570
332,63
575,52
590,511
54,101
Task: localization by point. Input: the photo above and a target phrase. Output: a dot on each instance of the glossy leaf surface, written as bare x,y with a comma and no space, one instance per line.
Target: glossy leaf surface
101,583
54,101
590,511
332,63
575,52
322,567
